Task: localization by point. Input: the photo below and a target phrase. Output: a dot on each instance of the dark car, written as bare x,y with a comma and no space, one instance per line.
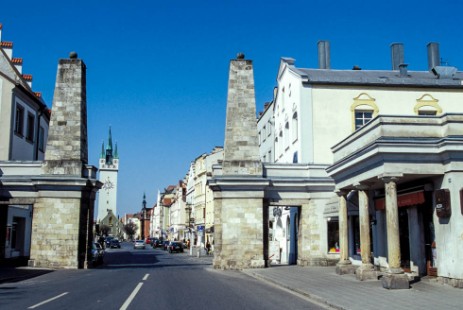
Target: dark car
157,243
108,241
114,243
165,245
175,246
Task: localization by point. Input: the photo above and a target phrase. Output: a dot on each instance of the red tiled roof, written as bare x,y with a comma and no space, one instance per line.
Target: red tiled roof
27,77
6,44
17,61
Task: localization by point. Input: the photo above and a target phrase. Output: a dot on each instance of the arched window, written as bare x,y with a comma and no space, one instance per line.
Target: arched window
427,105
364,109
294,127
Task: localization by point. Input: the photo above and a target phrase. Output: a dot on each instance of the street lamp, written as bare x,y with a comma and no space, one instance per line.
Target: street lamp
143,217
188,209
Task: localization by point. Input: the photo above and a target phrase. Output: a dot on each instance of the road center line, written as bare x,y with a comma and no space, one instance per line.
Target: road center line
131,297
146,277
47,301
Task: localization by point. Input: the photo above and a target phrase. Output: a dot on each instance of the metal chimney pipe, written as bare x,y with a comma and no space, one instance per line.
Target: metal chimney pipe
403,70
397,53
433,55
324,55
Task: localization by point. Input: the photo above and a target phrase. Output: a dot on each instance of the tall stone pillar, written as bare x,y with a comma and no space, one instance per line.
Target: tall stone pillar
344,266
239,191
394,277
63,213
366,270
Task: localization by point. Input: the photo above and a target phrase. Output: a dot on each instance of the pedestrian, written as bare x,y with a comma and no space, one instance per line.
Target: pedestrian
208,247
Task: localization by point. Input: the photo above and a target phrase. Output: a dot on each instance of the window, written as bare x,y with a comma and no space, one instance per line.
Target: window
362,117
427,112
30,127
427,105
333,236
286,135
295,158
260,138
270,159
364,109
269,129
19,121
294,127
41,139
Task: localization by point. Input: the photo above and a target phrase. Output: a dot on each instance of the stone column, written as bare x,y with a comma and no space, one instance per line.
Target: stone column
344,265
394,277
366,270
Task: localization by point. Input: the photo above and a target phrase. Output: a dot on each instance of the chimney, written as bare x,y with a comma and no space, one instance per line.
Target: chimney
1,27
28,79
18,63
8,48
433,55
324,55
403,70
397,53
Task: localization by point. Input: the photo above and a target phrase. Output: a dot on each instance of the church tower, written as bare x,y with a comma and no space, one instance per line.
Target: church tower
109,168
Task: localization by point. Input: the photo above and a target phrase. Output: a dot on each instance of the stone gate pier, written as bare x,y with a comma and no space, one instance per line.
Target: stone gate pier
239,191
62,188
62,224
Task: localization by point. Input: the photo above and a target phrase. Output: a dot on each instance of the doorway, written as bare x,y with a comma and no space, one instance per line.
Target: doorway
283,225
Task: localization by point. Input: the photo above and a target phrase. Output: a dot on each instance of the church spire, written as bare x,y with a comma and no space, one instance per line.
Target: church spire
110,140
109,149
144,201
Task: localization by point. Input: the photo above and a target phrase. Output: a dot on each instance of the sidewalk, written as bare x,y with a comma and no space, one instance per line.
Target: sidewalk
10,274
323,285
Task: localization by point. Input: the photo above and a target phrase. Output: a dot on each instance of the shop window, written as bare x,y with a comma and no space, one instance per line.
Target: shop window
333,236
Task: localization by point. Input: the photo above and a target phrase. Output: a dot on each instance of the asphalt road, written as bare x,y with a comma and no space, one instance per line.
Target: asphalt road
148,279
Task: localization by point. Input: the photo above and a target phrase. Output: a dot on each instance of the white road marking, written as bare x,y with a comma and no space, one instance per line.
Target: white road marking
47,301
146,277
131,297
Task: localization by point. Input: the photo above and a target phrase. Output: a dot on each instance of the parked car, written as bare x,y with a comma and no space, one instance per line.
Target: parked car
108,241
156,243
165,245
115,244
175,246
150,240
97,254
139,244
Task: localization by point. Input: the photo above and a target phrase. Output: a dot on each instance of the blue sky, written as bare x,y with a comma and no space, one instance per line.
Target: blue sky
157,71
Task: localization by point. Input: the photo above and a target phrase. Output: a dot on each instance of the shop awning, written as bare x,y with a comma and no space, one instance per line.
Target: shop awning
403,200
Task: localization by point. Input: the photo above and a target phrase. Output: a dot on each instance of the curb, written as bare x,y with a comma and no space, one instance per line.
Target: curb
306,294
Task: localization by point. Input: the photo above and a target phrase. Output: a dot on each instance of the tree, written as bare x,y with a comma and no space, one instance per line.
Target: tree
104,229
130,229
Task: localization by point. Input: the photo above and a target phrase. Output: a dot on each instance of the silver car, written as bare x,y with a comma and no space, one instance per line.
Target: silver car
139,244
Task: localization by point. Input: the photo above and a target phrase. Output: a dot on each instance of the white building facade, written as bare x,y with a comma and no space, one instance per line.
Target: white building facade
24,123
316,109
